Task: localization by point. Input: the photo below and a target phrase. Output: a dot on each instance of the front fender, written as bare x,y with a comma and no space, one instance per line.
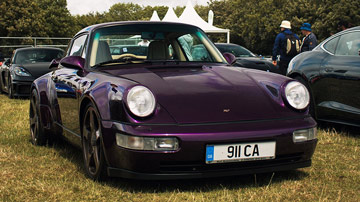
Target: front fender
48,112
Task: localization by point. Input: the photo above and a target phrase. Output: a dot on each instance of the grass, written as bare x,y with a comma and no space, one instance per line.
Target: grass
31,173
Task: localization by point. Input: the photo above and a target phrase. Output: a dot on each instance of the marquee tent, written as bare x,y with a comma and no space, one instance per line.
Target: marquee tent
155,17
170,16
190,16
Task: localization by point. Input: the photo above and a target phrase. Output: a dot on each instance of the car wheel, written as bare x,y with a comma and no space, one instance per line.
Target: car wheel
10,89
1,88
92,147
37,132
311,105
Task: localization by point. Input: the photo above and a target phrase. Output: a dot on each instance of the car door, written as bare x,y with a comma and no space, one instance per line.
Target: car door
342,73
67,84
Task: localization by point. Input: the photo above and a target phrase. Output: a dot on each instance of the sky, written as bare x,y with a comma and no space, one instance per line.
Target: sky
85,6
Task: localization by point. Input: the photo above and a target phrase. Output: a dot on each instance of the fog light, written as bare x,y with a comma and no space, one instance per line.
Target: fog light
304,135
147,143
163,144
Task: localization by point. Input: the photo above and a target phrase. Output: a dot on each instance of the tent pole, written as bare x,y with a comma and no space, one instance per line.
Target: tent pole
228,37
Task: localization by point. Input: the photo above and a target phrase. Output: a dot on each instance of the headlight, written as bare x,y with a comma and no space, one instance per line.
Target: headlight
20,71
147,143
297,95
304,135
141,101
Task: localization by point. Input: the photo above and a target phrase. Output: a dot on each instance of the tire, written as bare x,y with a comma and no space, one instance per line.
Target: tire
92,146
311,105
1,91
1,85
37,132
10,89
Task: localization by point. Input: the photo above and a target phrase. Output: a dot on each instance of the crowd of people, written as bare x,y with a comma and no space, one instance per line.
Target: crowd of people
288,44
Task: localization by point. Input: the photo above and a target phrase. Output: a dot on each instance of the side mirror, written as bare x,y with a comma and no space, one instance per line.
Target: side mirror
7,61
230,58
74,62
54,63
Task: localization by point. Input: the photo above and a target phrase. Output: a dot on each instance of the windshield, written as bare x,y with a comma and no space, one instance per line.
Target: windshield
139,43
236,50
37,55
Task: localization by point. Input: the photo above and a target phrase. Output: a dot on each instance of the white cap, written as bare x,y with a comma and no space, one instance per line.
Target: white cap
285,24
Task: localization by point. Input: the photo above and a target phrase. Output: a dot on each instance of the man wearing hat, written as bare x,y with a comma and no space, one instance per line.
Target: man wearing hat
280,47
309,41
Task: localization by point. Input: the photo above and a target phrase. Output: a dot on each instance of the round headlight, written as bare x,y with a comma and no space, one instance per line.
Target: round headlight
297,95
141,101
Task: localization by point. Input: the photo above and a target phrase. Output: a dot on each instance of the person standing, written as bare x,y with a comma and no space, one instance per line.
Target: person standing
287,45
309,41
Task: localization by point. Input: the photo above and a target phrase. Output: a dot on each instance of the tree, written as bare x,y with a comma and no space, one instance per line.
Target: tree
21,18
58,21
123,12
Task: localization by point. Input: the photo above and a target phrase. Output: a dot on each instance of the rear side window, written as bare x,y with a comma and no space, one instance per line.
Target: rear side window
331,45
349,44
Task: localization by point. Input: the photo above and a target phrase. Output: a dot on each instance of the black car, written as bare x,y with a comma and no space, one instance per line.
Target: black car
247,59
26,64
331,72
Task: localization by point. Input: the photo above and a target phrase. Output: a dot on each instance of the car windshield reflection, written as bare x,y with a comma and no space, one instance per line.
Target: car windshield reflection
139,44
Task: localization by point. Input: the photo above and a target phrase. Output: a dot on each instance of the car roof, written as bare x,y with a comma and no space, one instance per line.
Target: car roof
95,26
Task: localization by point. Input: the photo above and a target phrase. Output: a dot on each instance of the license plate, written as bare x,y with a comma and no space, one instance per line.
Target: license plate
240,152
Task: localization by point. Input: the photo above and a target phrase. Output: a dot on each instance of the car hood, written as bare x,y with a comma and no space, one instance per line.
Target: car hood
37,69
203,94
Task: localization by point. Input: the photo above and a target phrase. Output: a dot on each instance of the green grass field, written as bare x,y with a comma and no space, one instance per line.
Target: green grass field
31,173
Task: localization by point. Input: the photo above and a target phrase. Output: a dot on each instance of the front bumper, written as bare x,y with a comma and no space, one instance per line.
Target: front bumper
189,160
116,172
21,88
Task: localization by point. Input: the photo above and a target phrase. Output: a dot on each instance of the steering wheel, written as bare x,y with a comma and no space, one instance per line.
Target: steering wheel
127,56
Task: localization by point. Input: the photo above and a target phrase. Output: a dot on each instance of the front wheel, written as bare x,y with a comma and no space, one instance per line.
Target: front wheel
10,89
37,132
92,147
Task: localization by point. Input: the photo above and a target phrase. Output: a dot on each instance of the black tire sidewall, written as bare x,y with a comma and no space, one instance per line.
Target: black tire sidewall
41,135
101,173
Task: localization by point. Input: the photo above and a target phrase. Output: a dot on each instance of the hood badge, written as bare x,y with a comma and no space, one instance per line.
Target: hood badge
226,110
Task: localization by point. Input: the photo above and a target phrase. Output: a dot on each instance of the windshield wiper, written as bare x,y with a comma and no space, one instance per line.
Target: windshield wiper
125,60
162,61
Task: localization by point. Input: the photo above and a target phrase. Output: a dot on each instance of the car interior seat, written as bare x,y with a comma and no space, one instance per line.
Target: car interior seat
158,50
103,53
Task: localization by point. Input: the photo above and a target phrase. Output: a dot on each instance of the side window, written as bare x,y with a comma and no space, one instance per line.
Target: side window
331,45
78,46
349,44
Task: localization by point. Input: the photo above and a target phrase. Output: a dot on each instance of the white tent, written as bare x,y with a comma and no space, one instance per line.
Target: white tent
170,16
190,16
155,17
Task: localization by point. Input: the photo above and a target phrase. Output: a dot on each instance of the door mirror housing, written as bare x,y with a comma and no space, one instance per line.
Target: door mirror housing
230,58
74,62
7,62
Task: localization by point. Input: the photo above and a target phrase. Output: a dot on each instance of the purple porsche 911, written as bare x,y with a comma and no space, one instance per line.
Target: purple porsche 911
152,110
